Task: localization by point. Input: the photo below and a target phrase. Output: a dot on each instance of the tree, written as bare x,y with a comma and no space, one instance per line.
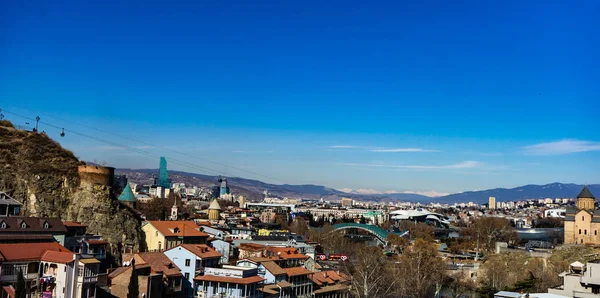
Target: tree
282,222
370,278
490,230
299,226
502,271
417,230
398,242
420,271
459,284
133,291
20,291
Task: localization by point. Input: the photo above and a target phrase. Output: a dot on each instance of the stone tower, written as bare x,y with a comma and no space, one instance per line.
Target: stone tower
214,210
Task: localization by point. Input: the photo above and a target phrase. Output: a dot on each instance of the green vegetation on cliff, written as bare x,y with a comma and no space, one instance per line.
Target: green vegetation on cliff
42,175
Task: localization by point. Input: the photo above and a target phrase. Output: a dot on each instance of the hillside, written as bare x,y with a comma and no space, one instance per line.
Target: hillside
43,176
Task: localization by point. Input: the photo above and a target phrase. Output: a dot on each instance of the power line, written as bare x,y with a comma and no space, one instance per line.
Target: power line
126,147
159,147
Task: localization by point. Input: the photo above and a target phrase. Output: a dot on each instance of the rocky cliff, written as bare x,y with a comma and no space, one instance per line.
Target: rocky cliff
43,176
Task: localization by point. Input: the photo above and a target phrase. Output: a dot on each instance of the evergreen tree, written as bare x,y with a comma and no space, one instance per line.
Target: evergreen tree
20,287
134,290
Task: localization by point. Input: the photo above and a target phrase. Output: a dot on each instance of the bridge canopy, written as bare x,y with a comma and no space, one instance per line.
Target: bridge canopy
380,233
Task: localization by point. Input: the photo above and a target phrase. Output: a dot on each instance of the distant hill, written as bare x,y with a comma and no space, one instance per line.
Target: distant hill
553,190
253,189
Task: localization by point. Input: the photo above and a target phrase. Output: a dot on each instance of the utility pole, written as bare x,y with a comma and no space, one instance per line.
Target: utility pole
37,120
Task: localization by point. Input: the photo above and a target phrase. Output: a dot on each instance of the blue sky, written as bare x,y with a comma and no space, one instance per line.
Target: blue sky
395,95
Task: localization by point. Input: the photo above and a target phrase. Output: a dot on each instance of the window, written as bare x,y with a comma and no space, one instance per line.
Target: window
583,218
187,276
595,232
3,225
46,225
585,232
579,231
187,262
156,233
23,225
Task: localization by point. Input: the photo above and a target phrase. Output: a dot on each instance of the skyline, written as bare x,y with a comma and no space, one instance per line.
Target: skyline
393,96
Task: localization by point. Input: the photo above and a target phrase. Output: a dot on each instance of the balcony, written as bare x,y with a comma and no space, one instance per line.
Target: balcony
90,279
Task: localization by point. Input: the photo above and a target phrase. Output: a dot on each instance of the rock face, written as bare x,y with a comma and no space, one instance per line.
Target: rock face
49,181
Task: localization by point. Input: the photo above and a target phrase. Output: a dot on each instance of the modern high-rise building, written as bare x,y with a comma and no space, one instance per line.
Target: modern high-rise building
491,203
163,175
223,188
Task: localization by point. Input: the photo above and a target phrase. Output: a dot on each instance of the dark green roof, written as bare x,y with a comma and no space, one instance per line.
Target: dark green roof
127,194
585,193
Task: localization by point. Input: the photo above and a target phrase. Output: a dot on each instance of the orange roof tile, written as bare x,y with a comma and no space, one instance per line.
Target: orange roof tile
58,257
203,251
328,277
159,263
273,268
297,271
233,280
28,251
179,228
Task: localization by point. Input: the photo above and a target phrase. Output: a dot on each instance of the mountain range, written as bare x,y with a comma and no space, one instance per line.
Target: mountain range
253,189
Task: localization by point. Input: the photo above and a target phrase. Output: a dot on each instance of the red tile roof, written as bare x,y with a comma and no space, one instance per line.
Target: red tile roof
118,272
159,263
274,268
233,280
203,251
73,224
58,257
285,253
28,251
183,228
297,271
328,277
96,242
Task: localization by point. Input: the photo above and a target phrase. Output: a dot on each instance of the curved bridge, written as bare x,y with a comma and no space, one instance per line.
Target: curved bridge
379,233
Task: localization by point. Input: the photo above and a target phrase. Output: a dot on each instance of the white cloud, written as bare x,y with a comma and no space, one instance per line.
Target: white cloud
469,164
342,147
562,147
398,150
251,151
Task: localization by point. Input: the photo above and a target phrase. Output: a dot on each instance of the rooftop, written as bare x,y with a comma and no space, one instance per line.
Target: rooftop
297,271
585,193
159,263
127,194
58,257
28,251
179,228
203,251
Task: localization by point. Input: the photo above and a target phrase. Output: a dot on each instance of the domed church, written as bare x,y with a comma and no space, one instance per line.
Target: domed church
582,223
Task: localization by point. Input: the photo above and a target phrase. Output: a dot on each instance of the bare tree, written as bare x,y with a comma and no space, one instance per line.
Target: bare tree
370,274
420,272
